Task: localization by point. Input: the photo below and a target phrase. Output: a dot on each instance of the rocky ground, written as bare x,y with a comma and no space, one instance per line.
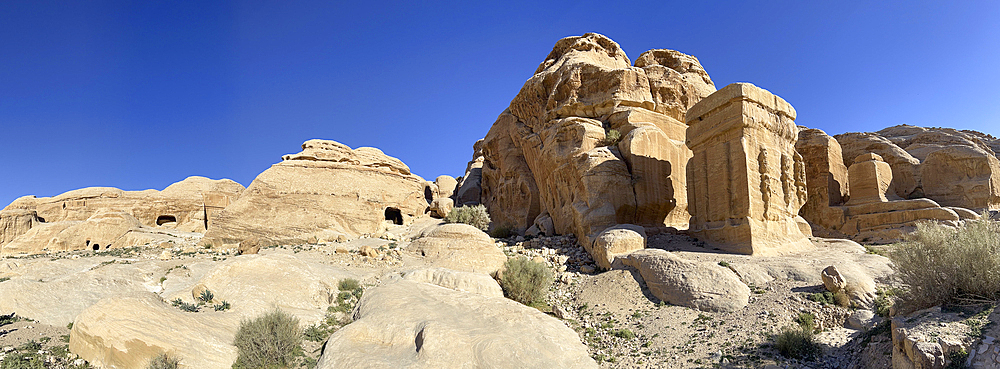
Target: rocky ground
613,312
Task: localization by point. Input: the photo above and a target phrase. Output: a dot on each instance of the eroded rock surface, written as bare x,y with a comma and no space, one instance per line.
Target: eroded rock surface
549,152
418,325
328,187
460,247
746,182
697,285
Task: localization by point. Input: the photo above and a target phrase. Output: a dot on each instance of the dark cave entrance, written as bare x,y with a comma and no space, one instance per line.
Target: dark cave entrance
394,215
163,219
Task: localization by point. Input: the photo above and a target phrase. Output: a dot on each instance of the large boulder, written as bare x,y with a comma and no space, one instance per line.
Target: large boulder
406,324
460,247
477,283
326,187
617,240
700,285
129,331
550,151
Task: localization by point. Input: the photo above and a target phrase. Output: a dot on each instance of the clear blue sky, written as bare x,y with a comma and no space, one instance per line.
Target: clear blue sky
141,94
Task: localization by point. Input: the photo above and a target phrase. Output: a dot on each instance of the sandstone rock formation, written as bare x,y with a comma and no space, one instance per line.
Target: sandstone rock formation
617,240
746,182
550,151
952,167
102,216
460,247
699,285
418,325
470,187
129,331
477,283
325,188
859,203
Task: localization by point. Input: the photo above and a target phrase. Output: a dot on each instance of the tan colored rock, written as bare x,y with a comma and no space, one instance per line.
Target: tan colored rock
833,280
442,207
546,153
253,245
459,247
699,285
870,177
746,183
617,240
129,331
368,251
418,325
852,280
446,186
477,283
103,230
470,187
15,222
183,203
826,178
326,187
953,168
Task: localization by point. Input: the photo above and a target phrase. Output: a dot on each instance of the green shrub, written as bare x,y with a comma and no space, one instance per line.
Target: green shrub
806,321
349,284
163,361
22,360
502,231
624,333
611,137
796,342
222,306
191,308
475,216
939,264
206,296
525,281
272,340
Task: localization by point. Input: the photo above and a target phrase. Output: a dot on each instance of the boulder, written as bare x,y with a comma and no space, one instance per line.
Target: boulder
253,245
553,149
699,285
852,281
129,331
617,240
326,187
446,186
417,325
460,247
442,207
477,283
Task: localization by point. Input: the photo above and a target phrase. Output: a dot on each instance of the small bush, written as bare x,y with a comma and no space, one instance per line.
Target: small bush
825,297
806,321
624,333
191,308
206,296
475,216
503,231
163,361
939,264
611,137
525,281
222,306
796,342
271,340
349,284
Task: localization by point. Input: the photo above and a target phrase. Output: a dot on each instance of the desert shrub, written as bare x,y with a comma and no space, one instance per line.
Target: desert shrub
349,284
939,264
796,342
502,231
206,296
163,361
825,297
806,321
525,281
22,360
272,340
475,216
611,137
624,333
223,306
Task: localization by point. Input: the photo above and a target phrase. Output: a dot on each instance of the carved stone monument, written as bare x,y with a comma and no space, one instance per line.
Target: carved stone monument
746,183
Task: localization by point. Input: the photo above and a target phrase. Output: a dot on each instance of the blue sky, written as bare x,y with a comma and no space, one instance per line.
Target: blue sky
142,94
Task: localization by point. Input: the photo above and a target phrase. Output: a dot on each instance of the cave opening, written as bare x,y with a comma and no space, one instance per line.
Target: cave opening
394,215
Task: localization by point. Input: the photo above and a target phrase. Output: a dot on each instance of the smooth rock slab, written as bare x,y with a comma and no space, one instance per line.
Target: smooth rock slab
405,324
127,332
700,285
